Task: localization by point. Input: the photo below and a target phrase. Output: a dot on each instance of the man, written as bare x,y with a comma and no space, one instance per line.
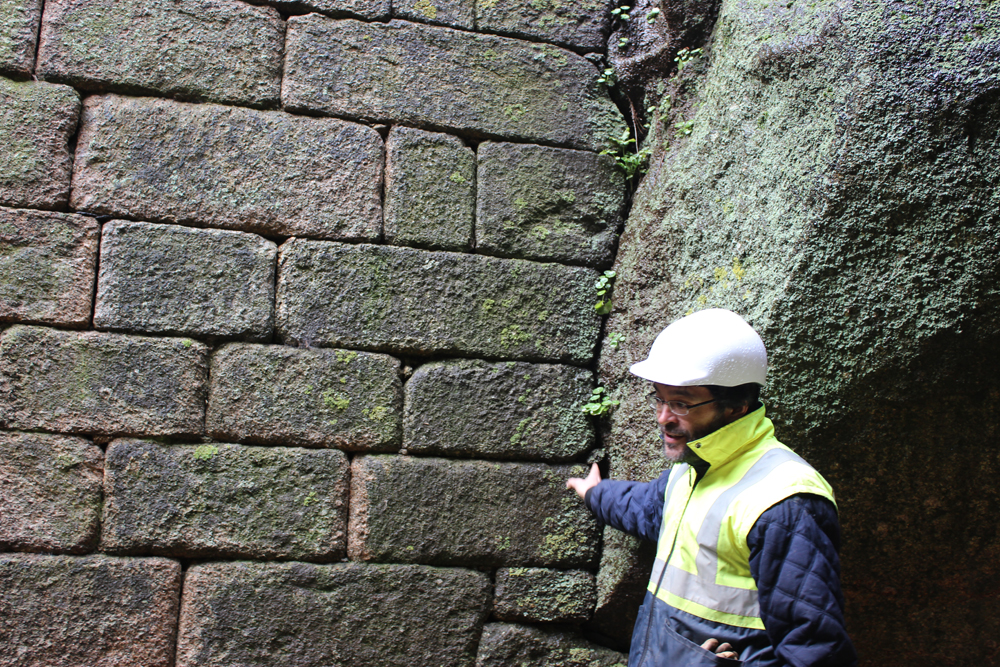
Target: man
746,568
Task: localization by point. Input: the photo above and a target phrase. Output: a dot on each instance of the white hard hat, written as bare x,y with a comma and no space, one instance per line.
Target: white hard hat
713,346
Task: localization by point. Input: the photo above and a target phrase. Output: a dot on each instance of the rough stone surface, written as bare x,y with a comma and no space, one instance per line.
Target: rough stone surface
372,10
165,279
441,512
420,302
261,614
50,493
454,13
507,645
510,410
539,595
47,267
101,383
36,123
430,190
427,76
846,203
626,562
279,395
219,50
548,204
18,35
580,24
224,501
257,171
64,611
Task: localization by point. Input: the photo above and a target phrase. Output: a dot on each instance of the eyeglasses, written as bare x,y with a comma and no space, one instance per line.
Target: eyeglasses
676,407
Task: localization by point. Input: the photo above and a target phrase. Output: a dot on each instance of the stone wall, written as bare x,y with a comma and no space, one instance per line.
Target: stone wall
296,321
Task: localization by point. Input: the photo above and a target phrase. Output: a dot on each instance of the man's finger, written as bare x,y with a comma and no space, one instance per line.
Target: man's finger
710,644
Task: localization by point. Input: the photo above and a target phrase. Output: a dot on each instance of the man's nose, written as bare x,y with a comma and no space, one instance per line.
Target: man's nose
663,415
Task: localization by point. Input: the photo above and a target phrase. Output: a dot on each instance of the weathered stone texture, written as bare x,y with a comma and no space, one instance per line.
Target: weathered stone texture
19,34
372,10
430,190
47,267
420,75
278,395
539,595
507,645
229,501
165,279
549,204
626,562
101,383
219,50
507,410
454,13
64,611
436,511
419,302
262,614
50,493
257,171
36,123
580,24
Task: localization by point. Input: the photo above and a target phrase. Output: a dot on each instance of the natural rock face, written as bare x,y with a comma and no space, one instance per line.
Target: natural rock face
420,75
548,204
94,610
101,383
430,190
436,511
219,50
352,615
278,395
506,645
47,266
506,410
372,10
36,123
847,204
454,13
539,595
626,563
165,279
221,500
50,493
18,35
418,302
580,24
264,172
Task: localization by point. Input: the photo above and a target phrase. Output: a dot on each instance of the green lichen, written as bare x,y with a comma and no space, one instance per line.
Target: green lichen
427,8
346,356
456,177
309,499
335,400
513,335
205,452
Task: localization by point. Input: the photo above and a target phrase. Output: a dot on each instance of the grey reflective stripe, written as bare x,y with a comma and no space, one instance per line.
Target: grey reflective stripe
707,593
678,471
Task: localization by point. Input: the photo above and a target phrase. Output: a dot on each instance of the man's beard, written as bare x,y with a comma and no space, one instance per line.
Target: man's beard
686,454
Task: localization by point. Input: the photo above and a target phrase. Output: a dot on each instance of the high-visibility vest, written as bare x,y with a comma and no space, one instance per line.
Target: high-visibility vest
703,533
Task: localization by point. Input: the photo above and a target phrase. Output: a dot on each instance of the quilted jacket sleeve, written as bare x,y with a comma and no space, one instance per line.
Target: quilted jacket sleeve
793,559
633,507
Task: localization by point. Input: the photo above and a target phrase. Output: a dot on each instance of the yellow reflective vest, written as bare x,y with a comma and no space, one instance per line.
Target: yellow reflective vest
702,559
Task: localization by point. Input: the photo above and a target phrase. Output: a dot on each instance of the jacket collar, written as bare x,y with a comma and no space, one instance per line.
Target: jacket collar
722,445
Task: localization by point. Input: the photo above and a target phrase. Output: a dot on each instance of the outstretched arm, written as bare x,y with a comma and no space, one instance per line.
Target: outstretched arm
633,507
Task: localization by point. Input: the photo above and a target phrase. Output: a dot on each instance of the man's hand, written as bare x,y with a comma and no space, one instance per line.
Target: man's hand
723,651
581,486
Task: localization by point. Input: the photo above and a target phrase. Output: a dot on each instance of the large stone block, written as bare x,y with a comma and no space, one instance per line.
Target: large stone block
262,614
64,611
19,21
507,645
548,204
510,410
429,510
454,13
420,302
540,595
430,190
101,383
480,85
224,501
266,172
277,395
579,24
165,279
47,267
372,10
219,50
36,123
50,493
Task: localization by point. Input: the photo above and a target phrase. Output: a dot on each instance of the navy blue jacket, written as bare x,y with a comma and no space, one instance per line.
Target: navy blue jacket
793,559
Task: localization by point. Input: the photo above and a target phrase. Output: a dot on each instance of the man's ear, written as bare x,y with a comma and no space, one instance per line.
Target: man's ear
736,413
